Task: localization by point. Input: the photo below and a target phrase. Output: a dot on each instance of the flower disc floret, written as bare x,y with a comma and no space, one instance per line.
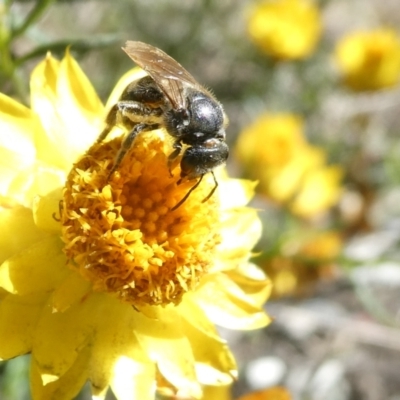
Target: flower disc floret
121,232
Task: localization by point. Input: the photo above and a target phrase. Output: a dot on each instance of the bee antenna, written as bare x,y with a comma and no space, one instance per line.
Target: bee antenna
188,194
213,189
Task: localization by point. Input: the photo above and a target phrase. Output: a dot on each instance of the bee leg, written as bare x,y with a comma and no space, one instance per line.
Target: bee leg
111,120
213,189
173,156
188,194
127,143
60,210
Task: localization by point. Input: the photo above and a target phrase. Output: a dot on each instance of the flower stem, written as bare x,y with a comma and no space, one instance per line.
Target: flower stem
33,16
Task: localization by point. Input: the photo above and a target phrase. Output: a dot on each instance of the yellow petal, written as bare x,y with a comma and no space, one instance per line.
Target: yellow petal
167,345
252,281
235,193
18,219
76,85
117,357
287,180
51,142
69,109
226,305
320,190
65,388
18,319
71,290
133,380
43,263
208,374
274,393
114,338
195,315
3,293
215,364
46,211
60,337
17,149
217,393
39,180
240,230
82,110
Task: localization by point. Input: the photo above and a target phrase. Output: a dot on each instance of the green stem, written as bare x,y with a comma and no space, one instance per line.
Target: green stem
77,45
6,60
36,12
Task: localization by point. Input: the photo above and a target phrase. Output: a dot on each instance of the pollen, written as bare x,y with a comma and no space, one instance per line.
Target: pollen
121,233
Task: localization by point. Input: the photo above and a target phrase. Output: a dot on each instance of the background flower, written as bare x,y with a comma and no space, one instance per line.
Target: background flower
285,29
301,261
369,60
290,171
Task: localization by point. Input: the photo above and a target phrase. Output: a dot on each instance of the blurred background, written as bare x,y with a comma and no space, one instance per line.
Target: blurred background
312,92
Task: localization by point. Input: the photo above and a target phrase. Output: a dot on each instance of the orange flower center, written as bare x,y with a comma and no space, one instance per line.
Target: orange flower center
121,234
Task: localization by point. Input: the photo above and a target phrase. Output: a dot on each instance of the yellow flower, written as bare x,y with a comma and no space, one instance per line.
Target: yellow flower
282,136
324,246
286,182
320,190
369,60
273,393
306,185
290,171
223,393
303,260
99,279
286,29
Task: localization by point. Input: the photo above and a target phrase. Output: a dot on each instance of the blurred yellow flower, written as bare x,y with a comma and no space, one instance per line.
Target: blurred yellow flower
369,60
320,190
290,171
286,29
224,393
100,280
278,147
274,393
302,261
322,246
288,180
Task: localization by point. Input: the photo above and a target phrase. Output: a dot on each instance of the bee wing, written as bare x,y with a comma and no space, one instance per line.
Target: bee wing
168,73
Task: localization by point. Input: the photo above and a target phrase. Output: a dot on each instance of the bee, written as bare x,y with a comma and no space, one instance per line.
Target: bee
170,98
